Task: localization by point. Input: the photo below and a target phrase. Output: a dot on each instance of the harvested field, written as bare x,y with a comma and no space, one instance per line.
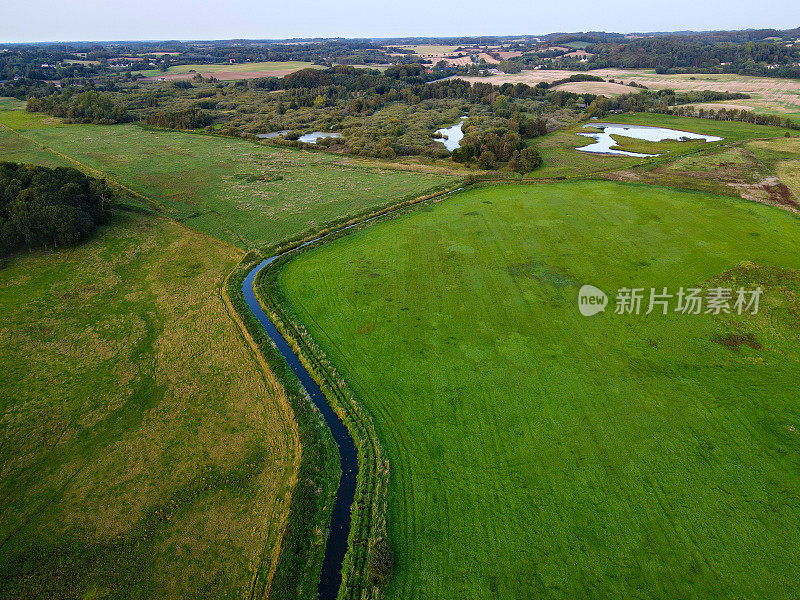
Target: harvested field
781,96
596,87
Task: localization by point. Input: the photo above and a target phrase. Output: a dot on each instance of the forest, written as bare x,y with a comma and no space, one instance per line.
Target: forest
42,207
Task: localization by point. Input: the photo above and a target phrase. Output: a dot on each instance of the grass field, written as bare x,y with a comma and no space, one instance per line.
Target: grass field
561,159
233,71
241,192
538,453
145,453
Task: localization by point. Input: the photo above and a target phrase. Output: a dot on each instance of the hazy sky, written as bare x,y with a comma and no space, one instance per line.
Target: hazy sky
49,20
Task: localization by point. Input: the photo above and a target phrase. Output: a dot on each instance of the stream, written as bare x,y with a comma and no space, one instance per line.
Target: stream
336,545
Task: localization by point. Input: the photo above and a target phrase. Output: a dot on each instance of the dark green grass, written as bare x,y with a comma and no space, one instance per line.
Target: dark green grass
538,453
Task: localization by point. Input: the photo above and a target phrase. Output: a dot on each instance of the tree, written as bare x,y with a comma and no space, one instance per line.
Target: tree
528,160
487,160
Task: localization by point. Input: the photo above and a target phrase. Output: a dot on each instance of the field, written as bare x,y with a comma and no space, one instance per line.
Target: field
240,192
562,160
768,95
229,71
601,88
538,453
145,453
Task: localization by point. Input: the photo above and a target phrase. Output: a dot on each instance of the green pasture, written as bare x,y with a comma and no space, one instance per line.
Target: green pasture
244,193
538,453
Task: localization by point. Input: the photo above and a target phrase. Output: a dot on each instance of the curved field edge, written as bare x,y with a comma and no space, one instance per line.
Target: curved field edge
318,293
302,548
368,525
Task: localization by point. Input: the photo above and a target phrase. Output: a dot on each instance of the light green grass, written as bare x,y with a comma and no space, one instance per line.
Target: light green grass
251,67
144,453
562,160
241,192
538,453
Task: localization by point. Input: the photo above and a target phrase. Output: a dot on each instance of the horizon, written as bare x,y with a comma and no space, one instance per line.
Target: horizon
47,21
453,38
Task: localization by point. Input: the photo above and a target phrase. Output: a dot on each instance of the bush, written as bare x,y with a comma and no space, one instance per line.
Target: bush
487,160
381,563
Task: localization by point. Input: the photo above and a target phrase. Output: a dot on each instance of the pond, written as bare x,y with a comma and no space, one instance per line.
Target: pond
311,138
274,134
604,143
452,135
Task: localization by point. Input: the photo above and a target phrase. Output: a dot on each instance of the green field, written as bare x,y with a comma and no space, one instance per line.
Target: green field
538,453
241,192
145,453
562,160
248,67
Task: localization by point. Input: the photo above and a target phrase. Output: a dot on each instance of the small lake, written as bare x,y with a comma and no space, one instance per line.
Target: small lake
311,138
451,136
274,134
604,142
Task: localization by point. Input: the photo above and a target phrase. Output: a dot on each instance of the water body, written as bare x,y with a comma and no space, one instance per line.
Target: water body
311,138
452,135
604,141
274,134
336,545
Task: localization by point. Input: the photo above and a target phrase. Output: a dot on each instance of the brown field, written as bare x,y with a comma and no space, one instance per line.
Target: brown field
596,87
767,94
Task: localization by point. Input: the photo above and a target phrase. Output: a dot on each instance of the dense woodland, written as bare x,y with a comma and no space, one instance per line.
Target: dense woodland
48,207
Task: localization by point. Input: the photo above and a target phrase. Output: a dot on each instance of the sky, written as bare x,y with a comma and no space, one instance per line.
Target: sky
64,20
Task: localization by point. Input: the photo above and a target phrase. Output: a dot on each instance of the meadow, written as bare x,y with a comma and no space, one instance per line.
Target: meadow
145,452
535,452
562,160
224,71
241,192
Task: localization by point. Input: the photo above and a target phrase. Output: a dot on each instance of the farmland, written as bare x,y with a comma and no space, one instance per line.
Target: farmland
240,192
145,453
538,452
233,71
767,95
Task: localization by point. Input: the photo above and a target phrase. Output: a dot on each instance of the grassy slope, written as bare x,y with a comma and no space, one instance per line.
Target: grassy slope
784,155
539,453
240,192
144,453
559,154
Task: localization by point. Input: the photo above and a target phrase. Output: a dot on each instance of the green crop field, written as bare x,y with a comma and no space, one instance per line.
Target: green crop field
144,451
535,452
241,192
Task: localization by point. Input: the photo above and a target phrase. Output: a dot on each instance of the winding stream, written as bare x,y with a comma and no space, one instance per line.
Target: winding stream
336,545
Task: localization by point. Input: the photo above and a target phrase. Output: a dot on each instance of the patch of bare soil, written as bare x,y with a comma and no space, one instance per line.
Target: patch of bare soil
771,191
734,341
